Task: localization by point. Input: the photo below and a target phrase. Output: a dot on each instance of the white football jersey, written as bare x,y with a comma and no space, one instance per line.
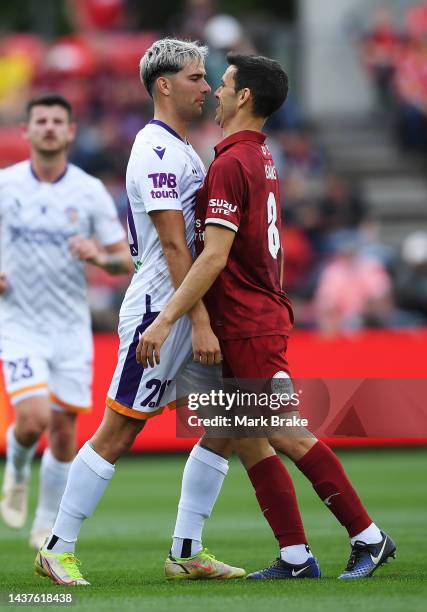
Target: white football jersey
164,173
46,283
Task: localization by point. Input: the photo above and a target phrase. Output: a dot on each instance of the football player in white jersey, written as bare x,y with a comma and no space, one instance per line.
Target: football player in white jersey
163,176
53,219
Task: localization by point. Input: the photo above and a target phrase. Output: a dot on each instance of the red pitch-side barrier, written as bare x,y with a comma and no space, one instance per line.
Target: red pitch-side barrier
373,354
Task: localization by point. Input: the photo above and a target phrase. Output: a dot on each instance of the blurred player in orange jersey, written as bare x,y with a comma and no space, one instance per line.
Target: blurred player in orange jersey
51,213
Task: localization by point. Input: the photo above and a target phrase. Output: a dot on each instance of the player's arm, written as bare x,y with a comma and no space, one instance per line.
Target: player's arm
227,185
202,275
3,283
113,258
107,248
170,227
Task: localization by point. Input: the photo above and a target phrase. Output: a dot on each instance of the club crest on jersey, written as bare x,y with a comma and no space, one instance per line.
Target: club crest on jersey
222,206
159,150
72,214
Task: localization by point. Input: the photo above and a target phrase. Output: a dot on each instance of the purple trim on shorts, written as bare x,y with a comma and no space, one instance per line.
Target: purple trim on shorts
132,372
168,129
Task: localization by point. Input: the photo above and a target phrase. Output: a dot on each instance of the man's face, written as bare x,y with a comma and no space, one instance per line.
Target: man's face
227,98
49,129
189,89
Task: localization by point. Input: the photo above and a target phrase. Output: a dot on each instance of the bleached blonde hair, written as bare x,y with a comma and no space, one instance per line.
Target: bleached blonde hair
168,55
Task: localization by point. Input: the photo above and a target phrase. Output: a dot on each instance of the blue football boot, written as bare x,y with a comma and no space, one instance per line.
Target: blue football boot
280,570
366,558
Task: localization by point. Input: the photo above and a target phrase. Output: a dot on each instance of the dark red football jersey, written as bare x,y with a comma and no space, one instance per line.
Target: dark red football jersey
241,193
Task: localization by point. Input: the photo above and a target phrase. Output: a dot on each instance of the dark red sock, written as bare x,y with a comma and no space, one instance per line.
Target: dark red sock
275,493
325,472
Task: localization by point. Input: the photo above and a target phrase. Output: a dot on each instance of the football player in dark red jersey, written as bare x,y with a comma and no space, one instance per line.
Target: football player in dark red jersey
238,273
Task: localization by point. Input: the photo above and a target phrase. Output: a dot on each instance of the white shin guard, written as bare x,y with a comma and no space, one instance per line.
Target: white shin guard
202,480
88,478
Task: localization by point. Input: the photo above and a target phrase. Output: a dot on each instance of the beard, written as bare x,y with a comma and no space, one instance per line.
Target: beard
191,113
50,151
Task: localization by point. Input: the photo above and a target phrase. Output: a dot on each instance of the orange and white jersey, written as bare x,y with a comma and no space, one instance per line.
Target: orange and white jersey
46,283
45,332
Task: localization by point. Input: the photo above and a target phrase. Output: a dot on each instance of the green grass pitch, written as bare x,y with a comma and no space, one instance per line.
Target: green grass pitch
124,545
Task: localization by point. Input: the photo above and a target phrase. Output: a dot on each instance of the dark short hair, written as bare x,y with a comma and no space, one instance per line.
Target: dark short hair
49,99
265,78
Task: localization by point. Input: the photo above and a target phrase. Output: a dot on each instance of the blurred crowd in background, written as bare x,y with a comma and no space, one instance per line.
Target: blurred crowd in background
339,275
395,54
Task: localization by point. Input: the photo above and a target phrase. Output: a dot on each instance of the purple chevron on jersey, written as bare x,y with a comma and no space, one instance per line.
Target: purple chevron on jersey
160,151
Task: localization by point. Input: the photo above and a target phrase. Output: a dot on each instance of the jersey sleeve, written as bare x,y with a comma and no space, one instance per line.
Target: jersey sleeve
227,193
157,178
106,223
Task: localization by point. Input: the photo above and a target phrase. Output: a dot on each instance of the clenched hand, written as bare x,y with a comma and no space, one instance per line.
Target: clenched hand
206,348
86,250
150,341
205,344
3,283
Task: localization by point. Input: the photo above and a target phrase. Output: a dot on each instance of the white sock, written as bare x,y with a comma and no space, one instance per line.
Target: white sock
202,480
296,554
53,478
18,457
370,535
88,478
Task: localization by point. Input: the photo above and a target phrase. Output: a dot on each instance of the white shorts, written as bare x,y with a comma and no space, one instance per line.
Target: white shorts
143,393
58,365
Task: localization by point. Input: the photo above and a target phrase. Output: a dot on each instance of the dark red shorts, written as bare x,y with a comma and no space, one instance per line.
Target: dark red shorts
251,365
258,357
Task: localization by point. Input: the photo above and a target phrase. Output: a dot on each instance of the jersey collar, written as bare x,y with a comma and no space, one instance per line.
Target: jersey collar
168,129
60,177
239,137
